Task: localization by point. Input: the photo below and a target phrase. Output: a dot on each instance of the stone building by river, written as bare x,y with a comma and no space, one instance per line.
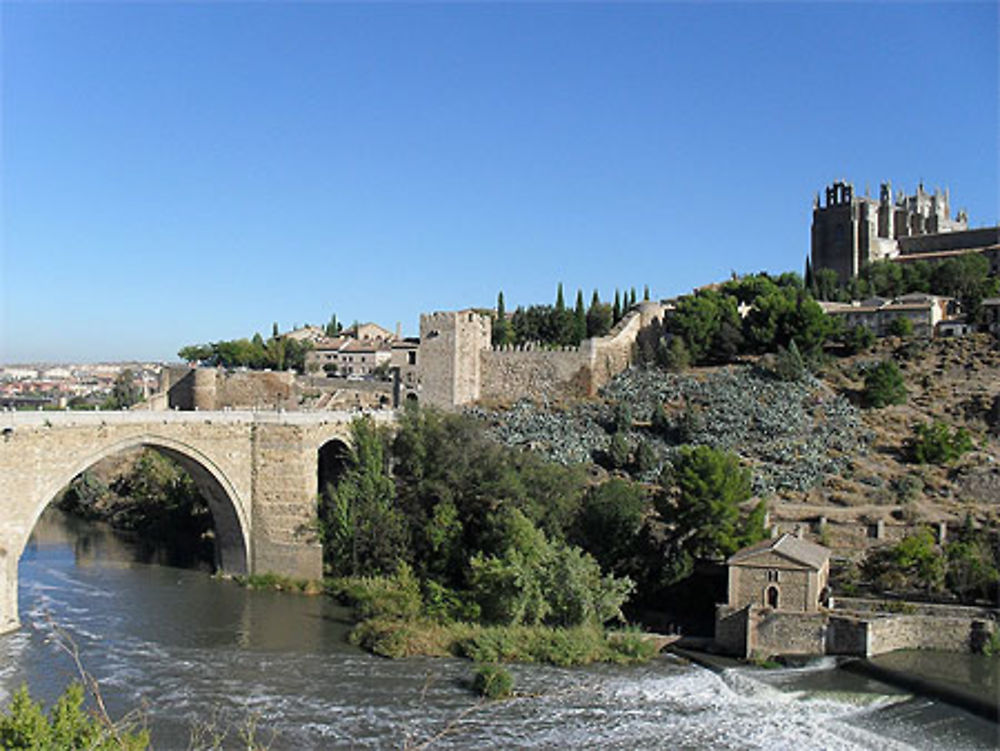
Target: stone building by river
778,603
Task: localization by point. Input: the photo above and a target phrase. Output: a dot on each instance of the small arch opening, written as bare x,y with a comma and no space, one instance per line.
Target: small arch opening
333,458
771,597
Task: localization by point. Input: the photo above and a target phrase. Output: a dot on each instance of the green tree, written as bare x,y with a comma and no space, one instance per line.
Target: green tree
645,292
579,319
124,392
674,356
600,317
858,339
536,581
333,328
789,365
826,284
502,333
901,326
706,517
934,444
362,530
609,522
68,727
883,385
616,309
972,570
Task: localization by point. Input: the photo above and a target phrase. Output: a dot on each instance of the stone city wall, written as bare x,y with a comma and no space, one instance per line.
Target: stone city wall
210,389
509,374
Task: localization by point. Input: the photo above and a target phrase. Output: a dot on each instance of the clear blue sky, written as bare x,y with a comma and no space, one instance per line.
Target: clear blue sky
176,173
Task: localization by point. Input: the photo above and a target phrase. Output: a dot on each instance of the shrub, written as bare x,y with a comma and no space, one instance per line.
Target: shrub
24,726
493,682
395,596
858,339
883,385
788,363
935,444
901,326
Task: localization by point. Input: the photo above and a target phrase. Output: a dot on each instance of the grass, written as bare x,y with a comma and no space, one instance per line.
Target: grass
278,583
578,645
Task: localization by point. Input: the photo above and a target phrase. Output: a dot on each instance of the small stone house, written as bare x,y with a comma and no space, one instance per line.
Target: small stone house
784,573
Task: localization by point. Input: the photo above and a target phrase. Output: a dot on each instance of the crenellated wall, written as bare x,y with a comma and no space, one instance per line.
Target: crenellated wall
459,367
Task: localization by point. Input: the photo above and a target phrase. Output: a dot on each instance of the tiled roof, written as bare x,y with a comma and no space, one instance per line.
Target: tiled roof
788,545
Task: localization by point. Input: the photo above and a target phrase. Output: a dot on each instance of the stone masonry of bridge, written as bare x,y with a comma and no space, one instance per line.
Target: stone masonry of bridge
258,471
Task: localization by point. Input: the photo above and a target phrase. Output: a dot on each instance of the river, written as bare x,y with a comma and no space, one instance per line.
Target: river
187,648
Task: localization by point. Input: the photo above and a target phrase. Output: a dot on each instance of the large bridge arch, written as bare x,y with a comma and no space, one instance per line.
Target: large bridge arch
229,513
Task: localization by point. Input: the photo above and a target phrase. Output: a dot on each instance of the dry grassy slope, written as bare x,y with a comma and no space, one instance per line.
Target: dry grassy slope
955,380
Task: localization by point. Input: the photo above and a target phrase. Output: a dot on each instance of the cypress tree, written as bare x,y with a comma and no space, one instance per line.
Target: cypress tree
501,329
579,319
631,297
808,280
560,302
645,292
616,310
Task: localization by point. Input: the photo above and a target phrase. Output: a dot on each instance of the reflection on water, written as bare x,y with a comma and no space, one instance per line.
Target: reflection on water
186,645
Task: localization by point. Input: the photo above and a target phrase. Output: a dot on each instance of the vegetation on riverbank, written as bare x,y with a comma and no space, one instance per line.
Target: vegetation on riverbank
25,726
398,620
471,548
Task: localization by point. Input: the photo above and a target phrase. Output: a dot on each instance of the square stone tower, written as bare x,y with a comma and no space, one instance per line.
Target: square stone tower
449,358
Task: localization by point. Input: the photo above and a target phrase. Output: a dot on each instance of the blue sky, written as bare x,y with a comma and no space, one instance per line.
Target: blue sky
183,172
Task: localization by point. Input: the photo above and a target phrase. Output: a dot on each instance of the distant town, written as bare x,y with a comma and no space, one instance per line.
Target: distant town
48,385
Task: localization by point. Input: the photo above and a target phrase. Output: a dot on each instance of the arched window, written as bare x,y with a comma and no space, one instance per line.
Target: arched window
771,597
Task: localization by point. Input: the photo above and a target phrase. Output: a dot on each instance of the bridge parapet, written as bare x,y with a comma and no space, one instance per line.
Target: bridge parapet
60,418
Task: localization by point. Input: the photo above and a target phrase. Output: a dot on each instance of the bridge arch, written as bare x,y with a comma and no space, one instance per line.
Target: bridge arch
229,513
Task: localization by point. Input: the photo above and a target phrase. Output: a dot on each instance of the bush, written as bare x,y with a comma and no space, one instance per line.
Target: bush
935,444
788,363
24,726
395,596
883,385
901,326
493,682
858,339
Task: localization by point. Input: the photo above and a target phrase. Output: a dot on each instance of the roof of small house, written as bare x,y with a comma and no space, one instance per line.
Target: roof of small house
787,545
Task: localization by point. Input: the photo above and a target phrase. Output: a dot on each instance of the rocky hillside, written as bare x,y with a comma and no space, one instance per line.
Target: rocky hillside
813,449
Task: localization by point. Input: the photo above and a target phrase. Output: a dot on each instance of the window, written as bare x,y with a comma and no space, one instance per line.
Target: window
772,597
772,575
411,358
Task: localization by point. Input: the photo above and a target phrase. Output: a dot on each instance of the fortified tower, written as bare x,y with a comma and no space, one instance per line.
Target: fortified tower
449,362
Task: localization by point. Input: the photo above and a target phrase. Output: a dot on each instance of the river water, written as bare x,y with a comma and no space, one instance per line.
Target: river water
189,649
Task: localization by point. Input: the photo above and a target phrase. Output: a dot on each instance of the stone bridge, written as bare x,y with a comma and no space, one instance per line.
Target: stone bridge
259,472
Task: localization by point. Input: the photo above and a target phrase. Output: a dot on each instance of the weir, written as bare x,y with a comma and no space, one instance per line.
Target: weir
258,471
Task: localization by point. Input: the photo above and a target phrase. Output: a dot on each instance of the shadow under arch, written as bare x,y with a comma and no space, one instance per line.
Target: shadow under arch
333,457
229,514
